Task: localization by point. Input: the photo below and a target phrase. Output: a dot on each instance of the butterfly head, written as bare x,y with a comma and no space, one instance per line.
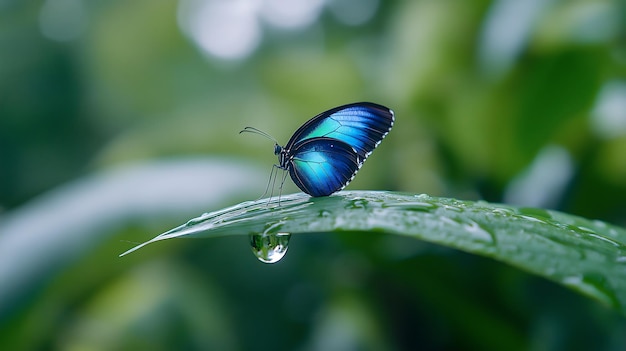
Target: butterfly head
283,156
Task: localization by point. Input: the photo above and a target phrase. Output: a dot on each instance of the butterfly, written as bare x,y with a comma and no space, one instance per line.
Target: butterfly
327,151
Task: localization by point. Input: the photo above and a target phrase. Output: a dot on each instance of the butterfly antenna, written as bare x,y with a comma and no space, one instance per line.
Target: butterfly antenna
259,132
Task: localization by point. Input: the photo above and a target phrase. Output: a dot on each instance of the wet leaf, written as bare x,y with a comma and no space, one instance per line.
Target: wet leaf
586,255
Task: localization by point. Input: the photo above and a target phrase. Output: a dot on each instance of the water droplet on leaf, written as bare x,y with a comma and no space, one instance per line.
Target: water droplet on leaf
325,213
537,213
606,240
270,247
501,211
453,208
412,206
533,219
479,233
586,229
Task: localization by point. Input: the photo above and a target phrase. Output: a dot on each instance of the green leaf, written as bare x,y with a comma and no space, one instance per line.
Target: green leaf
586,255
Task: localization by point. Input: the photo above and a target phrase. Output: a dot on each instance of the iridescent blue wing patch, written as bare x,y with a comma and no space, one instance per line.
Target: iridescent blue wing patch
361,125
322,166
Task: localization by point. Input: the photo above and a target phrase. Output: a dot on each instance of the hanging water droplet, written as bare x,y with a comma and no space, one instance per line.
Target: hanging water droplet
270,248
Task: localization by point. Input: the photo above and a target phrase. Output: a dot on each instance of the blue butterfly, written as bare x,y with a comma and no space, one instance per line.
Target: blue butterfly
325,153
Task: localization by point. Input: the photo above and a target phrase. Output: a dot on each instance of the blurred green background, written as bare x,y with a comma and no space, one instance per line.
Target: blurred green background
119,120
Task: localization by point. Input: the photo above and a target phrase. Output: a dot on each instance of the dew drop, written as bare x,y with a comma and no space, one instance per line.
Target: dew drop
586,229
606,240
453,208
537,213
479,233
412,206
424,197
270,248
501,211
325,213
533,219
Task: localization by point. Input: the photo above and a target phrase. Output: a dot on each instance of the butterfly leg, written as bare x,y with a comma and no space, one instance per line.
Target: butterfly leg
273,176
282,182
273,181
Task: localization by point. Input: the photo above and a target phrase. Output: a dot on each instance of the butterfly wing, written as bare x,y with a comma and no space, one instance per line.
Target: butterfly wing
361,125
322,166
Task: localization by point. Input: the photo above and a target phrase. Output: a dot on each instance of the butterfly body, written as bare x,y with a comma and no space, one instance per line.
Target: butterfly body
326,152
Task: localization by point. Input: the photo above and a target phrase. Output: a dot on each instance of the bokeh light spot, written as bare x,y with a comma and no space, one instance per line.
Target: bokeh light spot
223,29
291,14
609,114
62,20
